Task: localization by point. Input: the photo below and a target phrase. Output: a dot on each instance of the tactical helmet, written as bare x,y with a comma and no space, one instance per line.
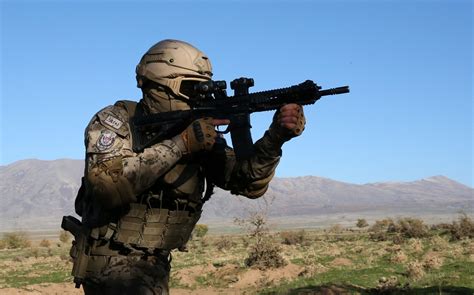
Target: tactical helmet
174,64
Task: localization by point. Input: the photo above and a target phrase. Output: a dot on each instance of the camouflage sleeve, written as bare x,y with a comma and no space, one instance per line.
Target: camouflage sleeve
251,177
114,173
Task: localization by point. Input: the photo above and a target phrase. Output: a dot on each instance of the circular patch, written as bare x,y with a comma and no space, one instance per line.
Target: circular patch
106,140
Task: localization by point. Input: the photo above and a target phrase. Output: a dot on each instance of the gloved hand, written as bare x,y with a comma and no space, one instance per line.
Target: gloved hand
200,135
288,122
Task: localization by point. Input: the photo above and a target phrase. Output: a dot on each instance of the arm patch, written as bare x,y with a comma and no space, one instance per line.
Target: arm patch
112,121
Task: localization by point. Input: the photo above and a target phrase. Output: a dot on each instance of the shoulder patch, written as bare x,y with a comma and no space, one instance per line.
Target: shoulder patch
105,140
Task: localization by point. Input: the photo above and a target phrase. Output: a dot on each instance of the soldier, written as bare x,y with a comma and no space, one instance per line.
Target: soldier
137,207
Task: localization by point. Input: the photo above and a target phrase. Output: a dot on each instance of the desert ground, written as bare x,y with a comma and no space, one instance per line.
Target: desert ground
388,256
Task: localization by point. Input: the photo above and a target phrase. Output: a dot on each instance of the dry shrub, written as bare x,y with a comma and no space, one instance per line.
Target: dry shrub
293,237
439,243
18,259
399,257
379,230
45,243
378,236
398,239
265,255
64,236
463,228
16,240
455,251
381,225
469,248
370,259
361,223
200,230
264,282
245,242
65,257
432,261
336,229
33,252
224,244
415,270
333,250
409,228
358,249
393,249
404,228
3,244
387,285
415,245
204,243
441,227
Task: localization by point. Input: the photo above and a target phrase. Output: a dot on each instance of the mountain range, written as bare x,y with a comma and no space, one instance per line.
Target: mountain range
35,194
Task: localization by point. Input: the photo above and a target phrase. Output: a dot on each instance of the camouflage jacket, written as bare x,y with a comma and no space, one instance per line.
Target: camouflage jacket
115,176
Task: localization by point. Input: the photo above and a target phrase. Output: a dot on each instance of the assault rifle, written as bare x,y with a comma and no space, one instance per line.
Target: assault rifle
210,100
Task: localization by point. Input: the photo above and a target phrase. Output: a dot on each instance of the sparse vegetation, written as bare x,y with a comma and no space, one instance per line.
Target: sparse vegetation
463,228
45,243
200,230
398,231
263,253
64,236
361,223
336,228
16,240
316,262
409,228
293,237
224,243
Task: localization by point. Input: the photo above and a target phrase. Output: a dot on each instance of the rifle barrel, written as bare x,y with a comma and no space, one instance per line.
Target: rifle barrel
334,91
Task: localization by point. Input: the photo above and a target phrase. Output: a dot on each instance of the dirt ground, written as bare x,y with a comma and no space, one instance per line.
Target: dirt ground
68,289
238,281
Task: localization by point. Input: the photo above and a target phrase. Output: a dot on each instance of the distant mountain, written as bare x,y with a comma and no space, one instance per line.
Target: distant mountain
35,194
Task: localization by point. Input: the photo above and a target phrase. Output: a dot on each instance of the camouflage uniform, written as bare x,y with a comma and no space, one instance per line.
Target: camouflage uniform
118,181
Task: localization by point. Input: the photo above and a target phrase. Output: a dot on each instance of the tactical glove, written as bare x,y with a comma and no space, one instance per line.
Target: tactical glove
288,122
199,136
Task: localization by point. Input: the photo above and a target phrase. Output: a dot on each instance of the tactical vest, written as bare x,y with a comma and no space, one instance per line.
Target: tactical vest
161,223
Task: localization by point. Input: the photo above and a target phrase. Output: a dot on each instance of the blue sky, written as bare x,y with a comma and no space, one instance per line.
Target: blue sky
408,64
